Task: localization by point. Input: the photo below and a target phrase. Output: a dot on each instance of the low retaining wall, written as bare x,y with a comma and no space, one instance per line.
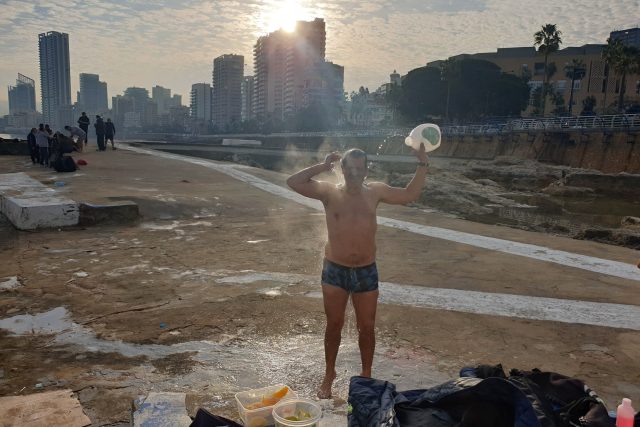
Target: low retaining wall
29,205
604,151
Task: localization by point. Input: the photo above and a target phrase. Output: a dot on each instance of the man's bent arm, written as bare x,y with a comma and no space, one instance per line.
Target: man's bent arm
411,193
302,182
402,196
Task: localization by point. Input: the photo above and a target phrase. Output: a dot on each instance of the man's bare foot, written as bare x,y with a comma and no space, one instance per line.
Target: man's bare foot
324,391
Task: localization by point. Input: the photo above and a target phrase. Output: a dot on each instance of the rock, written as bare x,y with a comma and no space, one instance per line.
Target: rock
507,161
611,184
122,212
630,222
568,191
489,182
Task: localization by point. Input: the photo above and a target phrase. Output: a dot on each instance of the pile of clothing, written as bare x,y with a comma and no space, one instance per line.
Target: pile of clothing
481,396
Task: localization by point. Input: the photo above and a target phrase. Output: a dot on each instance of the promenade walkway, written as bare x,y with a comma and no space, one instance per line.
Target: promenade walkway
215,290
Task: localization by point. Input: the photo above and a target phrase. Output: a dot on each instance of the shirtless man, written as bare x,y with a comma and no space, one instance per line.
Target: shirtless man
349,266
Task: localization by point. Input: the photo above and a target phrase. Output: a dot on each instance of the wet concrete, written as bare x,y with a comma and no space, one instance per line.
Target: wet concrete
215,291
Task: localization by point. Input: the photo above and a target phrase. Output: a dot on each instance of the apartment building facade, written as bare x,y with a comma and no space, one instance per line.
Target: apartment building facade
55,77
228,73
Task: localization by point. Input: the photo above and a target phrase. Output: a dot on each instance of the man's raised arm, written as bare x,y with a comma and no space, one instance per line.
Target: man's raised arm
411,193
302,182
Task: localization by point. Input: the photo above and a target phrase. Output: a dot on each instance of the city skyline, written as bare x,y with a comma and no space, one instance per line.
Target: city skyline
146,45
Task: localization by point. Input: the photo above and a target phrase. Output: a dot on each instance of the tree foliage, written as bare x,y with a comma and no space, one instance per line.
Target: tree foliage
624,60
474,89
548,40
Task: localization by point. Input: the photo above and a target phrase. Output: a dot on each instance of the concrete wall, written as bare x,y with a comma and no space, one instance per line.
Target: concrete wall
601,150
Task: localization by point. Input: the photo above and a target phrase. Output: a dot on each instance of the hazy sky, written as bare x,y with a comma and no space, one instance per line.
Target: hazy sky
172,43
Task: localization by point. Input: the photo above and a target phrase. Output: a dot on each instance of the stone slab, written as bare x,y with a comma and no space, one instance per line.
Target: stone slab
50,409
162,410
121,212
29,204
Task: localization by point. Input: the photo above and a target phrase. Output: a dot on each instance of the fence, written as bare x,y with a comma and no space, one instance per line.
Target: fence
556,124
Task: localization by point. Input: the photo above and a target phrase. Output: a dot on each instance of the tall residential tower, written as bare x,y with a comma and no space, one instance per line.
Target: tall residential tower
228,72
285,64
92,96
22,96
55,77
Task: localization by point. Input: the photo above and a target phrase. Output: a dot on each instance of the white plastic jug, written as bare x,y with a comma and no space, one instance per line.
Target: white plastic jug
426,133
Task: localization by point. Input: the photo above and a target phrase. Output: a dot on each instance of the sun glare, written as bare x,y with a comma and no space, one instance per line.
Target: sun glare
285,15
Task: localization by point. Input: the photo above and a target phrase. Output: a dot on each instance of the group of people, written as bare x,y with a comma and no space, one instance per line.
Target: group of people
105,131
44,143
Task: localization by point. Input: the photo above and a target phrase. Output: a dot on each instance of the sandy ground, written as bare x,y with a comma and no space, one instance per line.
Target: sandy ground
214,291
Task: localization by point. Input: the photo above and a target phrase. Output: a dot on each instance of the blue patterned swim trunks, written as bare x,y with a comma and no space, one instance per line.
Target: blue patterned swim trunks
351,279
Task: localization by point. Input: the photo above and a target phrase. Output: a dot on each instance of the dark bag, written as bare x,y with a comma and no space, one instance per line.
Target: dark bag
64,164
205,418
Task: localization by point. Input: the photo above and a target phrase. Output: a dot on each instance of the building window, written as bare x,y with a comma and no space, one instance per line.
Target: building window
638,87
533,86
577,84
560,86
617,85
538,68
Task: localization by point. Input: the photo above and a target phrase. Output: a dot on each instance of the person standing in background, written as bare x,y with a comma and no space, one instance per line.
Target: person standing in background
99,125
33,147
42,141
81,134
109,131
83,123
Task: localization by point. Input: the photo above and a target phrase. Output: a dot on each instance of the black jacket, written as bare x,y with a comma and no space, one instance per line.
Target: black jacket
524,399
99,125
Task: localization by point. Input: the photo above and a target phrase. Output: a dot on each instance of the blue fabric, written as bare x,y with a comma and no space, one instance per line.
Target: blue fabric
351,279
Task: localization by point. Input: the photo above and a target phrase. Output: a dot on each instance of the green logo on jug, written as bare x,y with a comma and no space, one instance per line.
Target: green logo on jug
431,135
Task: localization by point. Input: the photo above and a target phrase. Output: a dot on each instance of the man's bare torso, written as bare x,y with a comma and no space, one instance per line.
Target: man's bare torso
351,226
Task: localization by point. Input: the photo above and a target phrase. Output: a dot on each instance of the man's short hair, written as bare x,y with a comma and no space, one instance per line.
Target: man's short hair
354,153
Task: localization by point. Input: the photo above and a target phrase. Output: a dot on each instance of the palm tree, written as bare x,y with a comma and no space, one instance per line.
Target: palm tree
449,70
575,71
624,60
548,41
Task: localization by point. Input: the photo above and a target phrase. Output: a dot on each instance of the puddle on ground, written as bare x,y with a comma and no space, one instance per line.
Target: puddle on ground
174,225
251,277
239,364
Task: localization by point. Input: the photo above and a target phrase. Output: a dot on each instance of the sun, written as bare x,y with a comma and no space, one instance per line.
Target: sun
285,15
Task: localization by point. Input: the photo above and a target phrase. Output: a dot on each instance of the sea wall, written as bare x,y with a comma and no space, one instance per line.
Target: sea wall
605,151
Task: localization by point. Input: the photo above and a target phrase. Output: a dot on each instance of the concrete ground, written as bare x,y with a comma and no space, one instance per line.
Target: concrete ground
215,290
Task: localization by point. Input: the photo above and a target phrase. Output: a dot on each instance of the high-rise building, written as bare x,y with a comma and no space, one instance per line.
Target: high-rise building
92,97
304,57
323,86
55,76
22,96
162,97
140,98
247,98
269,58
282,63
123,114
228,71
629,37
201,102
176,101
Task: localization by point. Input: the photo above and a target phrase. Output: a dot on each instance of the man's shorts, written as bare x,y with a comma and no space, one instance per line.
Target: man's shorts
351,279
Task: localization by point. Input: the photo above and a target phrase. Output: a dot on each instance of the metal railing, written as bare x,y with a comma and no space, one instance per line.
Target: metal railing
556,124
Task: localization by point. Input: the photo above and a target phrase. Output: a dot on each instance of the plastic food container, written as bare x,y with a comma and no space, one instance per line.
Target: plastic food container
259,417
297,412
